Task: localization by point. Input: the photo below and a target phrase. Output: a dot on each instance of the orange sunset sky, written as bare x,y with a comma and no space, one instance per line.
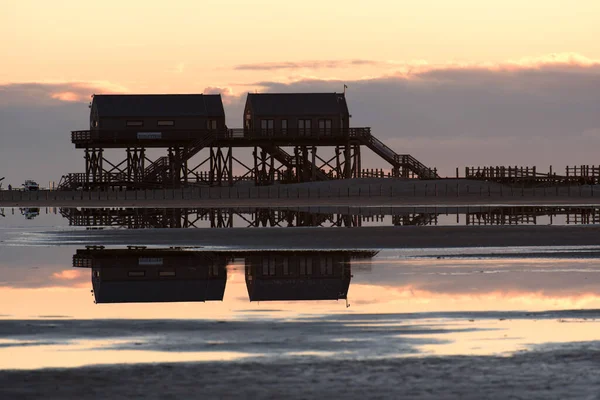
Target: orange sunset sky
451,82
188,45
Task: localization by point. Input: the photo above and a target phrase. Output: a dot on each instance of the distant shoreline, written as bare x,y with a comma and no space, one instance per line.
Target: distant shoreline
356,192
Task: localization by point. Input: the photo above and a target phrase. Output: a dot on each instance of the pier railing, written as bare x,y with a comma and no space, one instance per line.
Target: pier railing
583,174
90,136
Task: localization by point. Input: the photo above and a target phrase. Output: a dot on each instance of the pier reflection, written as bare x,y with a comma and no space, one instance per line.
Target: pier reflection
145,218
142,275
30,213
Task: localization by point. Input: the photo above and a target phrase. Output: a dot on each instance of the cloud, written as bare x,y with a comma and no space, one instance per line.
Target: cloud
67,275
534,111
223,91
179,68
42,93
314,64
537,111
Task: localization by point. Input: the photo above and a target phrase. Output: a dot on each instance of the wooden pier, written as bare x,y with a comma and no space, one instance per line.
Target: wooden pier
531,176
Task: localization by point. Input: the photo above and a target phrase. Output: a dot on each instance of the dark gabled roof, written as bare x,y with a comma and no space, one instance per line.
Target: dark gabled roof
282,104
298,289
159,291
159,105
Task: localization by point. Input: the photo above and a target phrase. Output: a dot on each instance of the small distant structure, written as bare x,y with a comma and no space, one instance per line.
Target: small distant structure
30,212
159,112
297,113
31,185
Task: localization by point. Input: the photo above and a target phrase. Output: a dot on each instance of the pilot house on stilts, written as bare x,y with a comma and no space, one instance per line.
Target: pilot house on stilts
287,133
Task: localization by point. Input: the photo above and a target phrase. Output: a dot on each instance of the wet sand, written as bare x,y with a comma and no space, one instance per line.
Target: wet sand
336,238
569,373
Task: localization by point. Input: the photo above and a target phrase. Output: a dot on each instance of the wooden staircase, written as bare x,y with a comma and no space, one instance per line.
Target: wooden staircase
290,161
158,171
400,162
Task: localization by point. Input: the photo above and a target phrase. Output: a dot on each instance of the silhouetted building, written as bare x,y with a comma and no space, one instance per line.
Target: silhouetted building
154,275
152,114
287,276
296,113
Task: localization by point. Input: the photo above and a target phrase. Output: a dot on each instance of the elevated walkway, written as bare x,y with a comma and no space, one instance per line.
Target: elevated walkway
173,171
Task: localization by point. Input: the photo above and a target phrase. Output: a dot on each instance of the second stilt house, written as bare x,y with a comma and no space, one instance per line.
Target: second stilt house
302,114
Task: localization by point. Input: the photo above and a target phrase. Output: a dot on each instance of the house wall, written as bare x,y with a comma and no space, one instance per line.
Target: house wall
278,265
338,121
153,272
292,121
151,123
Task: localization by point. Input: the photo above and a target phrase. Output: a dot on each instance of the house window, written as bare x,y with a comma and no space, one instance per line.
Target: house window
248,120
281,265
284,126
304,126
266,125
330,263
94,124
134,123
136,274
96,274
211,124
305,266
325,126
165,274
165,123
286,267
268,267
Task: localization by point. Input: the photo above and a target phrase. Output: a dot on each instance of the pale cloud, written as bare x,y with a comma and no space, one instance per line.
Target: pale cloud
309,64
227,95
41,92
179,68
67,275
66,96
223,91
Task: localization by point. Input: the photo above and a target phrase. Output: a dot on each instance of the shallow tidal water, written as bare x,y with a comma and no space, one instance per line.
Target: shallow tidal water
455,315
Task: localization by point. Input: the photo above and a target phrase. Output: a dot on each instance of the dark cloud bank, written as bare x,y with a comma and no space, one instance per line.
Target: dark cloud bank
448,117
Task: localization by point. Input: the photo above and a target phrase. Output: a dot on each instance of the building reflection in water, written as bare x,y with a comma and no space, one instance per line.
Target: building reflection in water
298,276
141,275
332,216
